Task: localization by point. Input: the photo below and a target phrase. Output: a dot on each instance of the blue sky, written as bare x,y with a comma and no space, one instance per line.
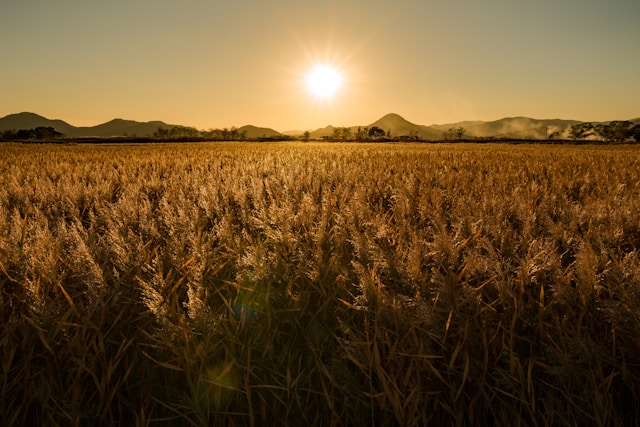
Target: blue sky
230,63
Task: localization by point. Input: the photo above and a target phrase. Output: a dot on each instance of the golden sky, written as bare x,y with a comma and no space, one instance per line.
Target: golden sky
214,64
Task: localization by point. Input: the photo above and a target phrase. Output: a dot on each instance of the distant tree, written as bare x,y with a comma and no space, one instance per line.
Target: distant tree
581,131
208,134
635,133
615,131
24,134
362,134
341,134
460,133
46,133
8,135
231,134
161,133
454,134
602,131
39,133
376,133
306,135
553,136
181,133
620,130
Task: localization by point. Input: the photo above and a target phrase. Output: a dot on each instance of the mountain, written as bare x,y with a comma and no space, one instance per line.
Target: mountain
516,127
508,127
116,127
322,132
120,127
254,132
392,123
519,127
396,125
31,121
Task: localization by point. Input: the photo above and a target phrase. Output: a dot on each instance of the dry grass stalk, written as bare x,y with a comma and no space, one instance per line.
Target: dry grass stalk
198,284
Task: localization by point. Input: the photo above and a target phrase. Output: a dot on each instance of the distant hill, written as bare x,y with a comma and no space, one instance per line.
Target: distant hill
116,127
31,121
393,123
253,132
396,125
518,127
514,127
120,127
322,132
508,127
113,128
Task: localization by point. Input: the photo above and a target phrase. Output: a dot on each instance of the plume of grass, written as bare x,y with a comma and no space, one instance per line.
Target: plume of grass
331,284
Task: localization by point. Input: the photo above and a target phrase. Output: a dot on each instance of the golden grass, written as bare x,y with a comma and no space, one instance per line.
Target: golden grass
324,284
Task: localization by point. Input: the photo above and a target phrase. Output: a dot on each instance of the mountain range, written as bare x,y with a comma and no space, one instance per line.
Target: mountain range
116,127
113,128
394,124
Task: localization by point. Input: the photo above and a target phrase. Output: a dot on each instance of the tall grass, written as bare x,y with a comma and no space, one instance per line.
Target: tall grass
289,284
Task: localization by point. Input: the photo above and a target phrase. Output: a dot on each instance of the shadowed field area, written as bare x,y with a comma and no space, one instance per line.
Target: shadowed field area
319,284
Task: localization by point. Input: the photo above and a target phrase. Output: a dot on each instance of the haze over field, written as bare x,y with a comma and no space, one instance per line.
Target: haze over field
222,64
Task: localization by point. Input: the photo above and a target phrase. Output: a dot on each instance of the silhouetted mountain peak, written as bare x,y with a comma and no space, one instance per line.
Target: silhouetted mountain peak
396,125
251,131
393,118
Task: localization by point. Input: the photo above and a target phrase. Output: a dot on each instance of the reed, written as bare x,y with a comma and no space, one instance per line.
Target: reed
325,284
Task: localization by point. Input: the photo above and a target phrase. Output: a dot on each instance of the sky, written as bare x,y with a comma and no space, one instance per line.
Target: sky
214,64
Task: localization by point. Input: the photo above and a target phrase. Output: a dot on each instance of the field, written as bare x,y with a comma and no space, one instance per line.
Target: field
319,284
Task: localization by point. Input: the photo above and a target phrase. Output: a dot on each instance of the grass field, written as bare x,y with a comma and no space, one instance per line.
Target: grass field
319,284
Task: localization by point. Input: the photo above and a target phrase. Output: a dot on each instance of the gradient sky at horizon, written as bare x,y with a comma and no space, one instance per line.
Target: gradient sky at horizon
214,64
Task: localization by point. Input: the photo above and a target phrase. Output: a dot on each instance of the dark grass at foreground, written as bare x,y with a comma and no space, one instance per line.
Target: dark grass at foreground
326,284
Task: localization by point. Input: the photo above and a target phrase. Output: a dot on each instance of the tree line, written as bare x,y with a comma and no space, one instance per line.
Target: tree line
181,133
39,133
614,132
366,134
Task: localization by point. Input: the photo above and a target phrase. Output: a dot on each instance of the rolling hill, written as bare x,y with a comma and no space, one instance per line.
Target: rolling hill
322,132
392,123
120,127
31,121
113,128
508,127
513,127
396,125
116,127
253,132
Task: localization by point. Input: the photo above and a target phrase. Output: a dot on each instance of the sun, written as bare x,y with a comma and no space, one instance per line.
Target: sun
324,81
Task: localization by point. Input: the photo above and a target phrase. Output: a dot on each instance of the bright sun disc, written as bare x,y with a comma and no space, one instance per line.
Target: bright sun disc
324,81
